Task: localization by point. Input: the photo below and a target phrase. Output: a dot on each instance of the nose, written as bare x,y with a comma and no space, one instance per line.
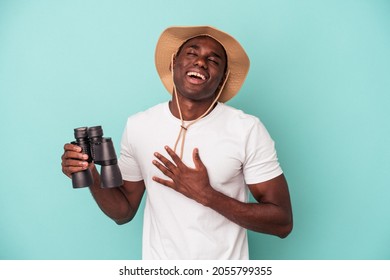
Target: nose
201,62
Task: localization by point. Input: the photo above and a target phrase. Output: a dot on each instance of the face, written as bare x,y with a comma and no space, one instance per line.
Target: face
199,68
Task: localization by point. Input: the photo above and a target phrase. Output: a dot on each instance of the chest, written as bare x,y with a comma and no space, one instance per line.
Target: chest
221,150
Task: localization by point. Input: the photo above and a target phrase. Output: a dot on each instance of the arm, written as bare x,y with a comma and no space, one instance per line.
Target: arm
121,203
271,215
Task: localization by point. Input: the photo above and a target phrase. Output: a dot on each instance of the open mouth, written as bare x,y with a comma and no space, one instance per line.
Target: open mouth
196,75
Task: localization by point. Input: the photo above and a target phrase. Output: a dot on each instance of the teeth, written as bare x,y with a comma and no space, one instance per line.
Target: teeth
196,74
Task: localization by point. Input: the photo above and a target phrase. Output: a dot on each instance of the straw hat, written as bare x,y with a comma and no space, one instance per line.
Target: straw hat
173,37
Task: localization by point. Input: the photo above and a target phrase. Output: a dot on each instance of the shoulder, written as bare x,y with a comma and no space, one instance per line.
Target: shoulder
243,124
148,114
239,117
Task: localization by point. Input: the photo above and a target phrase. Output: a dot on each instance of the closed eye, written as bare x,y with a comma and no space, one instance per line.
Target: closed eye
213,60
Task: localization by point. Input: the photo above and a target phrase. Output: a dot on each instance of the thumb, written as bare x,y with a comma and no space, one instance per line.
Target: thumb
198,162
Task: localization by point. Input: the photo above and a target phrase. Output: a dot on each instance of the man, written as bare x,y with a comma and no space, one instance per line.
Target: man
196,157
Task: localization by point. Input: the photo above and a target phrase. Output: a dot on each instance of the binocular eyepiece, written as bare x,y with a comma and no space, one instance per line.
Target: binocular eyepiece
100,150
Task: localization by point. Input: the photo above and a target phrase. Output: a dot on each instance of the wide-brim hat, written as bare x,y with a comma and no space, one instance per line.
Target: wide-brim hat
173,37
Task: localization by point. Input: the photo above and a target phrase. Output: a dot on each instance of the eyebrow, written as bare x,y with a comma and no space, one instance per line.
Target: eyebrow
196,47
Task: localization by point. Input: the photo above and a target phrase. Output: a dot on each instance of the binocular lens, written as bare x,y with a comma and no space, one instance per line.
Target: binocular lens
81,132
95,132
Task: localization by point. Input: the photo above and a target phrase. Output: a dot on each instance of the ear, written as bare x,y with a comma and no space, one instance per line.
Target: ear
173,61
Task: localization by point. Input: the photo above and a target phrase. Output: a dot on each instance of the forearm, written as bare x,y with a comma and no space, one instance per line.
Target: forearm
111,201
264,217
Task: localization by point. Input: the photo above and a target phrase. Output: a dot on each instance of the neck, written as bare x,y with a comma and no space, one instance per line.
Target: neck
190,110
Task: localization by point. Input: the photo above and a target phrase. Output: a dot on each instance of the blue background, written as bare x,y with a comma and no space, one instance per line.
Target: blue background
319,81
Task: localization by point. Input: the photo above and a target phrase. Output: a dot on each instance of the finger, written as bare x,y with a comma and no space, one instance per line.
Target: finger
167,183
176,159
75,155
72,147
163,169
73,160
196,158
168,164
70,166
69,170
75,163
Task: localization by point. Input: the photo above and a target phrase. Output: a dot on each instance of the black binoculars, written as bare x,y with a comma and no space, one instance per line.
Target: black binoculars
101,151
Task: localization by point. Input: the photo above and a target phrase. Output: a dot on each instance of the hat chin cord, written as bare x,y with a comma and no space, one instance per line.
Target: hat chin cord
183,126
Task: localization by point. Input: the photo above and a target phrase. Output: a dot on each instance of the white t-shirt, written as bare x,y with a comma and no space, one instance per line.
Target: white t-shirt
236,150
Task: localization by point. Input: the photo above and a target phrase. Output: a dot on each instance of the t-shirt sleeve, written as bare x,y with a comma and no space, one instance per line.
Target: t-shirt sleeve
261,161
127,161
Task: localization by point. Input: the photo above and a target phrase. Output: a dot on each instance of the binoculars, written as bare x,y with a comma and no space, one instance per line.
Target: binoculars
100,150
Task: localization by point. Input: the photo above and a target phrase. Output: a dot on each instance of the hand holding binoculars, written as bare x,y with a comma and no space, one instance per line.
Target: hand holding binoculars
100,150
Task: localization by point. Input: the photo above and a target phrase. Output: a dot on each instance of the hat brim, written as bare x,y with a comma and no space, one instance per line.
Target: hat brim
173,37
